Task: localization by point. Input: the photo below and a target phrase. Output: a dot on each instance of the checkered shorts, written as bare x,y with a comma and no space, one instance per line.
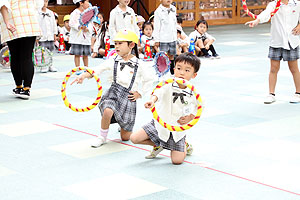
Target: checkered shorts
116,98
170,144
286,55
168,47
80,50
47,44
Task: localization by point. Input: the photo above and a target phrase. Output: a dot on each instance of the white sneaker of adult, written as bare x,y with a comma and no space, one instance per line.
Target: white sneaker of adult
295,98
44,69
52,69
98,142
270,99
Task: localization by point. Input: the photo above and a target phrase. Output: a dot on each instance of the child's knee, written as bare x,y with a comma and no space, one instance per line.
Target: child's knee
133,138
177,157
125,135
108,112
177,161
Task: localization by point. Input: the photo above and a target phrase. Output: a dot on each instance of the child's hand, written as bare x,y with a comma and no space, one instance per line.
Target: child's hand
135,95
252,23
149,104
79,79
206,46
84,28
186,119
296,31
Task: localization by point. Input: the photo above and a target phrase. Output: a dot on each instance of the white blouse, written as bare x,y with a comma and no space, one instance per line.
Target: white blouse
144,78
77,36
282,24
165,22
171,111
119,19
48,25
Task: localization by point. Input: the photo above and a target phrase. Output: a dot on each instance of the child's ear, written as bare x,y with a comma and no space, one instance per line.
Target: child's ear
131,45
194,75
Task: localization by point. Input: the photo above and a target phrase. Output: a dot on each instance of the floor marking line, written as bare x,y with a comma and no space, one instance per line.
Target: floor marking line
209,168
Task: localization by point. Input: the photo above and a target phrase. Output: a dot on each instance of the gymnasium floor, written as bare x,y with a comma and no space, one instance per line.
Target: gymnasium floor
243,149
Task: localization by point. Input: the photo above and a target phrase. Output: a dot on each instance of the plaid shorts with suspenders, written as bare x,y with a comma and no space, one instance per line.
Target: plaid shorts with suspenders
116,98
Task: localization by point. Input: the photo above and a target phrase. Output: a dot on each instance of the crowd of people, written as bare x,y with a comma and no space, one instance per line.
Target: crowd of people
129,34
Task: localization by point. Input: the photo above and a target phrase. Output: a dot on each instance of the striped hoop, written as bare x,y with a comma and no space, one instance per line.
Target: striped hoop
199,109
63,90
250,14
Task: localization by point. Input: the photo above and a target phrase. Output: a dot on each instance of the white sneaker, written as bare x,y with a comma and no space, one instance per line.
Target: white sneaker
52,69
98,142
270,99
295,98
155,151
189,149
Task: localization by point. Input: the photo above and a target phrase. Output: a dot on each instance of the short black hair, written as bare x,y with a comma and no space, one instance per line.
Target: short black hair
189,58
201,22
78,3
147,23
179,20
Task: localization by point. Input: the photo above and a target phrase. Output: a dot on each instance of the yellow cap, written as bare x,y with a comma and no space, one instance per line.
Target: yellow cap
66,17
126,35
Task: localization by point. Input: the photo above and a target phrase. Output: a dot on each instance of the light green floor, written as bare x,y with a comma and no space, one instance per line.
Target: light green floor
243,149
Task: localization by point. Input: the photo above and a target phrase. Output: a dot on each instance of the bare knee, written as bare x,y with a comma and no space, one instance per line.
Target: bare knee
177,157
134,138
125,135
108,113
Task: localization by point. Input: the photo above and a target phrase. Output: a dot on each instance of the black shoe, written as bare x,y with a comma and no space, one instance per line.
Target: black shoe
216,56
17,91
24,94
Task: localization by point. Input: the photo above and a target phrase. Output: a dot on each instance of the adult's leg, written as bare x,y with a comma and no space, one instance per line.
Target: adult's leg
293,66
26,51
275,66
15,64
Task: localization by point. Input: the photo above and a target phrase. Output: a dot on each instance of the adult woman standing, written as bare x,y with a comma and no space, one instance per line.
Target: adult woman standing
19,28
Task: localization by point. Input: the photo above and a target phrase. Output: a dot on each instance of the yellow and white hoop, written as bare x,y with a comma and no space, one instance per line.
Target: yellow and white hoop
199,106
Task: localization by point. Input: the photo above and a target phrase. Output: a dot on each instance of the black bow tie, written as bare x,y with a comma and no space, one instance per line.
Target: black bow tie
126,13
176,95
45,14
170,10
129,64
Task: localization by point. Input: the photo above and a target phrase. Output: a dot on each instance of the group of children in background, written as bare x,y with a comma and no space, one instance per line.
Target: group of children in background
91,40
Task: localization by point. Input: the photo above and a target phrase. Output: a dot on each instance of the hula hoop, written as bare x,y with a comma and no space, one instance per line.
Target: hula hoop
63,90
250,14
199,107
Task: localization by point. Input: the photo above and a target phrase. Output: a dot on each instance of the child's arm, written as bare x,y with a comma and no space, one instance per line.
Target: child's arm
79,79
150,103
4,12
263,16
156,29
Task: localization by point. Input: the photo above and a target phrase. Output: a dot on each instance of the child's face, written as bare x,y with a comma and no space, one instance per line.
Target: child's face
166,3
123,48
67,24
184,70
96,25
202,28
46,3
178,35
148,30
124,2
101,18
85,4
140,25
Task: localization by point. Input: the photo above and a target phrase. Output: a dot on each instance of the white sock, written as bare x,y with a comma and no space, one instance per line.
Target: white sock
104,133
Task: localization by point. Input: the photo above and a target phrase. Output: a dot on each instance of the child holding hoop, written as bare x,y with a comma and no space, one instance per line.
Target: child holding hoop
80,36
285,31
176,103
128,73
